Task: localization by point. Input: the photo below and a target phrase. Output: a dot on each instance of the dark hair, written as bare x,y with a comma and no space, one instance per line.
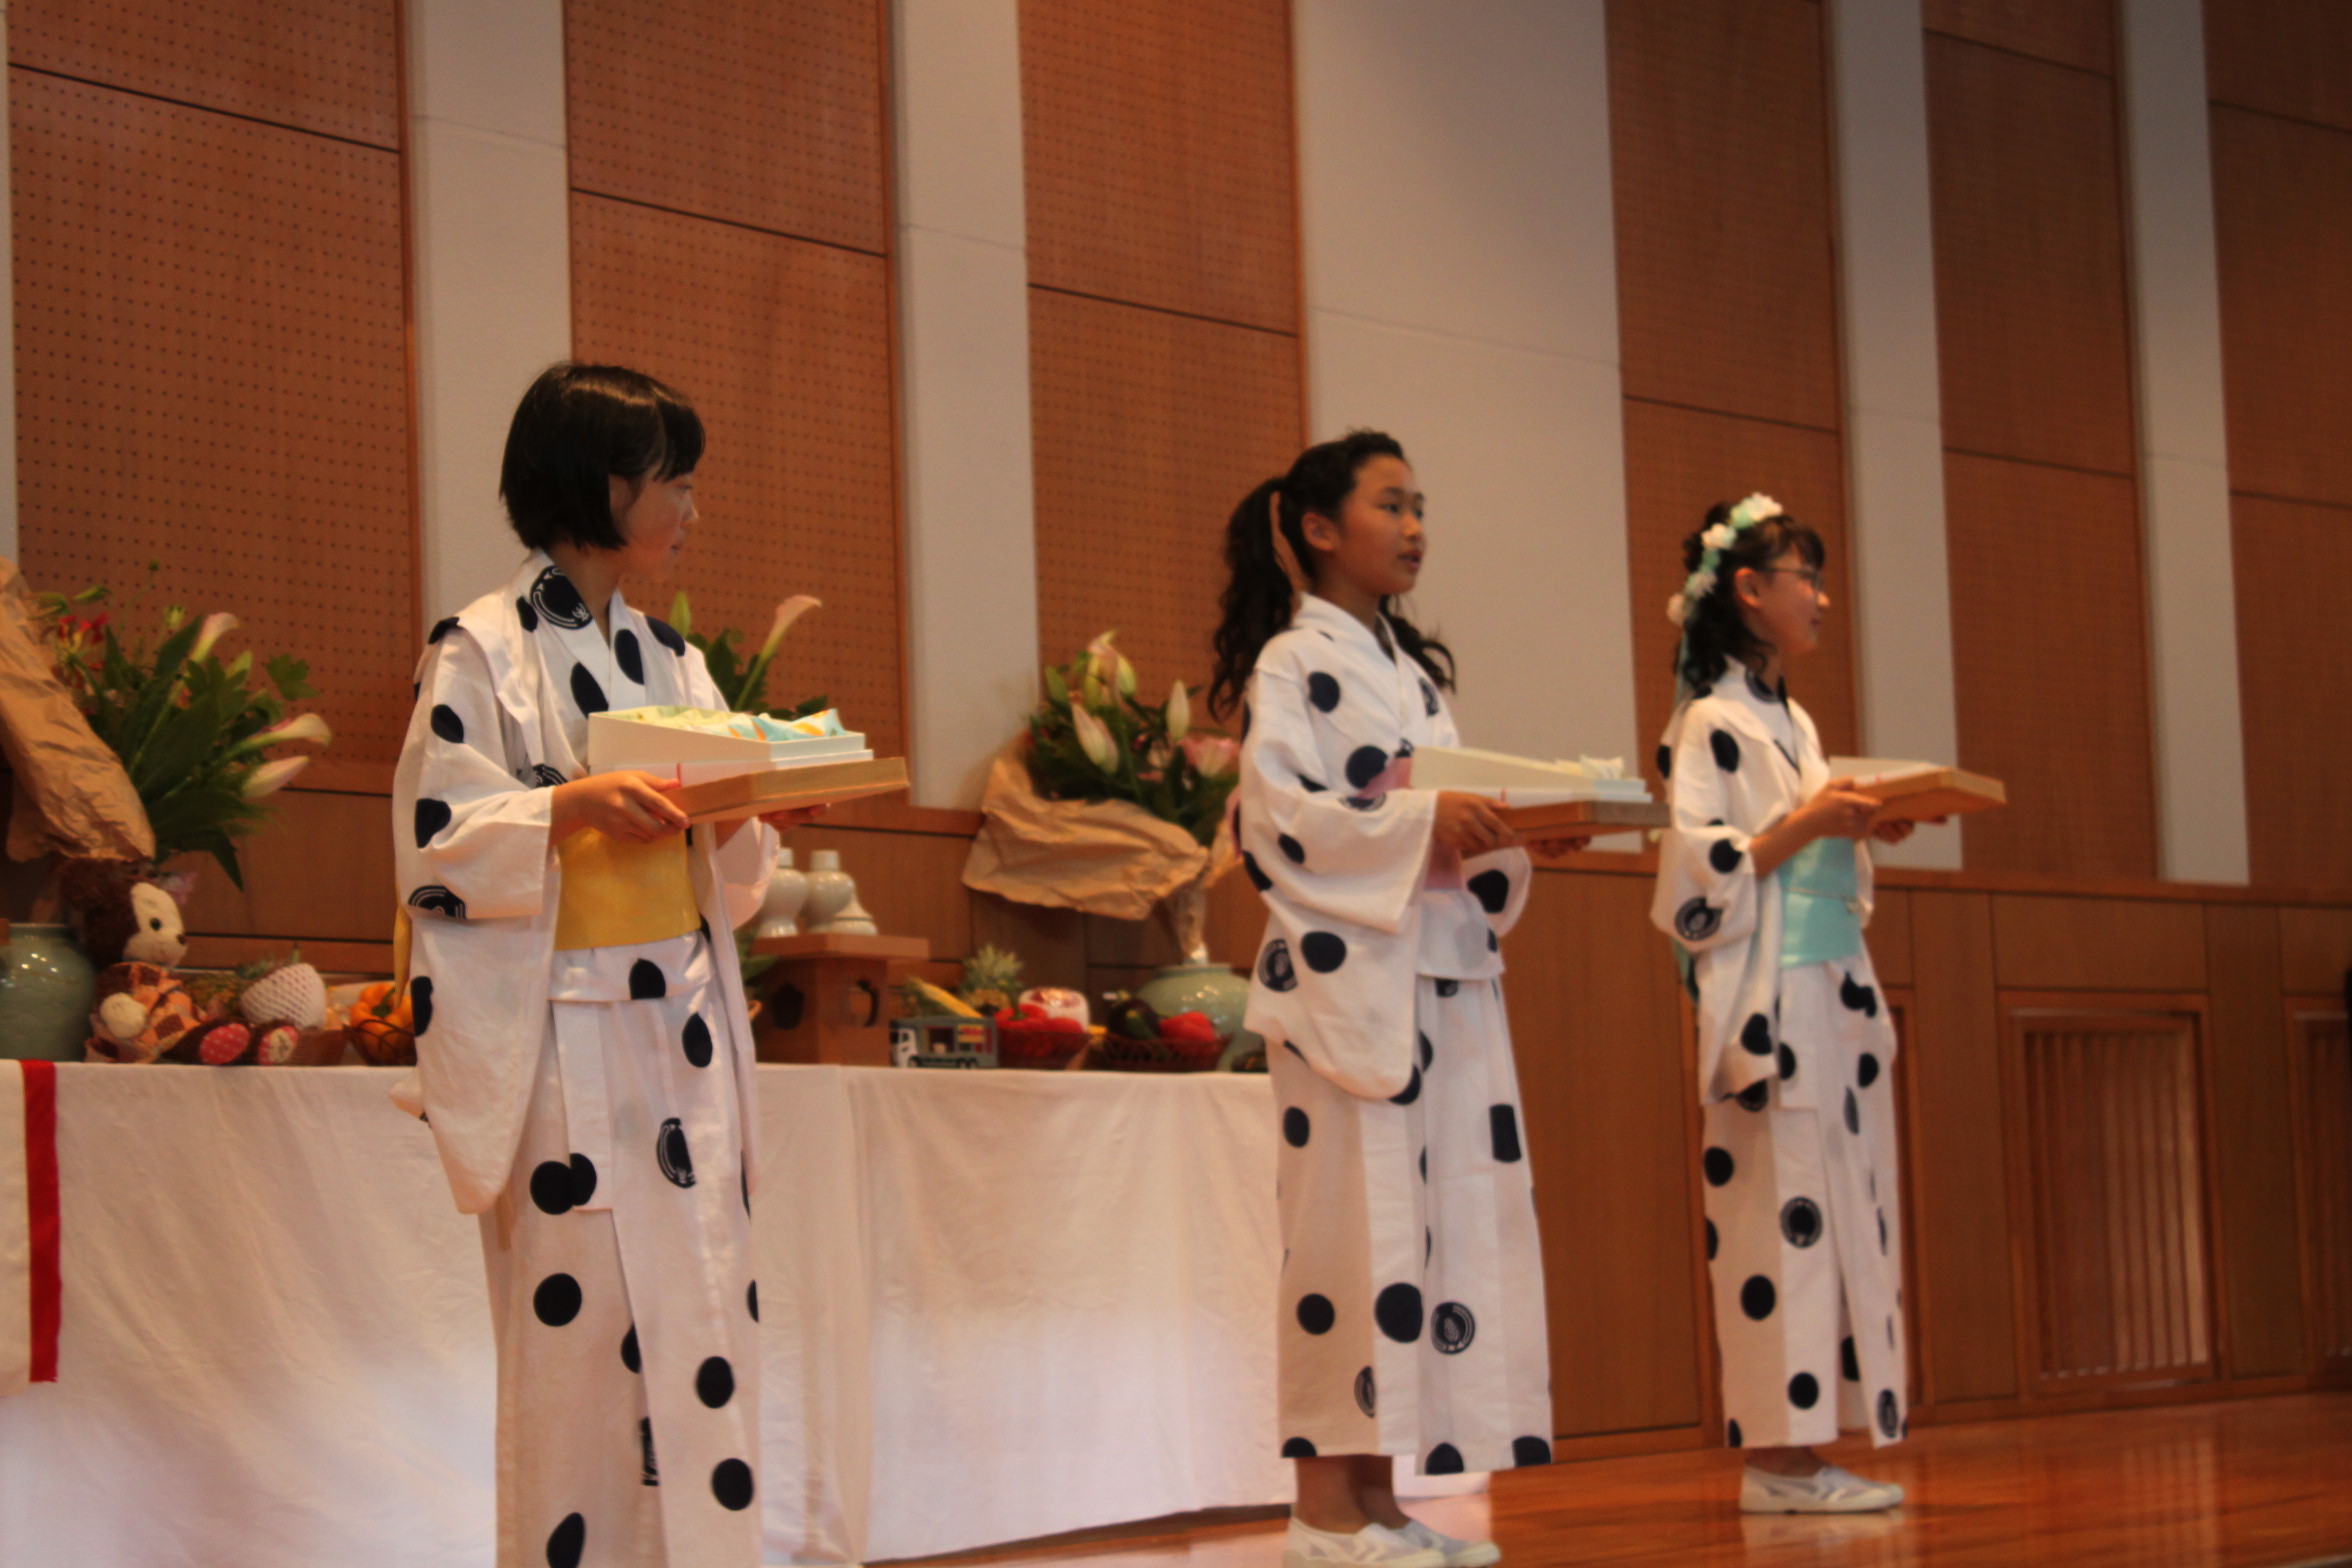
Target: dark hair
579,427
1715,633
1256,602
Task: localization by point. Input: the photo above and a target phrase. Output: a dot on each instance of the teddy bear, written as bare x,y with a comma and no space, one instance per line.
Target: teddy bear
131,928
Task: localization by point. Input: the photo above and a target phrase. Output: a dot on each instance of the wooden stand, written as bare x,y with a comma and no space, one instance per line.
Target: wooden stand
828,997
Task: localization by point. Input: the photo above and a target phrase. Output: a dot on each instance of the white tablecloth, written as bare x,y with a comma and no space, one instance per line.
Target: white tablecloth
994,1306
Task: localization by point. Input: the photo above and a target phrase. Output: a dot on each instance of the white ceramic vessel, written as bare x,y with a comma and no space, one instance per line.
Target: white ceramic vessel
788,890
830,890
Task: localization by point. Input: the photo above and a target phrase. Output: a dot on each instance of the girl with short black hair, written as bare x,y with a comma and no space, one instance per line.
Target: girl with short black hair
583,1052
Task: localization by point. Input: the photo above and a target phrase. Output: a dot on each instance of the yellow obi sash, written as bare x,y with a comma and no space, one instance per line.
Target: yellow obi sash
619,892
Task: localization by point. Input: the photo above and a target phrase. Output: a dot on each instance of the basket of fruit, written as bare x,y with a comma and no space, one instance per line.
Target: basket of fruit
1044,1031
1138,1040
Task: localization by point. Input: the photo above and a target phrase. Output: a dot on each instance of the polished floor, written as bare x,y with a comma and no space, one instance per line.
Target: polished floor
2251,1484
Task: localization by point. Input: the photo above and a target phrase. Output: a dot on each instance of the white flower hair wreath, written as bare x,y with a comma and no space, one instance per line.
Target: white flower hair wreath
1717,539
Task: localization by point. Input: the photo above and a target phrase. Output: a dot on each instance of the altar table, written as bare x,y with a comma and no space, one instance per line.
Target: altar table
994,1306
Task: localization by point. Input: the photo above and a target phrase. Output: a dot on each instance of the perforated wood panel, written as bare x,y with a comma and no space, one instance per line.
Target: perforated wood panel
2283,236
2049,654
212,373
1726,277
1679,462
2069,32
2289,57
2116,1200
2295,683
1149,428
784,346
769,115
1159,154
2323,1134
321,65
2033,329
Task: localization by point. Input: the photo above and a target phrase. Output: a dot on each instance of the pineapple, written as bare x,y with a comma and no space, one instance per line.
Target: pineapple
992,978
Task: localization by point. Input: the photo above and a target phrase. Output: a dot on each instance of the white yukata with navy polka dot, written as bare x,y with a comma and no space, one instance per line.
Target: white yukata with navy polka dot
1804,1226
1412,1301
591,1105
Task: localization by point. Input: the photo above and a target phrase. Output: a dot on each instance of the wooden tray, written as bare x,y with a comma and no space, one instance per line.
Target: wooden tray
782,789
1938,792
1599,817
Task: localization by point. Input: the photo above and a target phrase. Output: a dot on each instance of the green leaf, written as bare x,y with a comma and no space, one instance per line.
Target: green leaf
681,614
162,683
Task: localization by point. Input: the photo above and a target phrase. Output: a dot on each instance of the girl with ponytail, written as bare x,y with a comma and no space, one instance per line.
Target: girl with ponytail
1412,1307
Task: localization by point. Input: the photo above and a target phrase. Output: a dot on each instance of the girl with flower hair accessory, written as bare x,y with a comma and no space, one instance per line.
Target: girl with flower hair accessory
583,1053
1412,1302
1765,886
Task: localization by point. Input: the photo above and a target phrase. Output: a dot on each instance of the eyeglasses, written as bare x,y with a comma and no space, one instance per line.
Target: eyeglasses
1811,575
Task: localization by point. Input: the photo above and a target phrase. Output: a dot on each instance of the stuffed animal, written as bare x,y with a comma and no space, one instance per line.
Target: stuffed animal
132,929
141,1013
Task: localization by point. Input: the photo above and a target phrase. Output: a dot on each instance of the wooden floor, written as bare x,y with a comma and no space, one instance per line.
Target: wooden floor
2253,1484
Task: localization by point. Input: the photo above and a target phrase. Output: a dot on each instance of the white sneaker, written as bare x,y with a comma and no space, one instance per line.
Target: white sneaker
1458,1553
1829,1490
1308,1547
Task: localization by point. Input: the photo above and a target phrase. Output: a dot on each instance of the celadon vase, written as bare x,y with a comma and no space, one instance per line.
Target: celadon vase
46,983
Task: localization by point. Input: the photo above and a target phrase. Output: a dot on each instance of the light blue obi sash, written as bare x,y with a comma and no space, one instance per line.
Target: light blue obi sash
1821,910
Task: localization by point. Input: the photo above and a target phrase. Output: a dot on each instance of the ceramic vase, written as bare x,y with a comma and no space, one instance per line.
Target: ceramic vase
830,890
788,890
46,983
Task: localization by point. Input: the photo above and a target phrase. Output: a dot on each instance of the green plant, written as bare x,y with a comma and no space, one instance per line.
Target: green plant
744,682
1093,739
193,733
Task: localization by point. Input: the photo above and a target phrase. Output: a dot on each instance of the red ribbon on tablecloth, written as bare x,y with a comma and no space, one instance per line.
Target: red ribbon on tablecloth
40,1140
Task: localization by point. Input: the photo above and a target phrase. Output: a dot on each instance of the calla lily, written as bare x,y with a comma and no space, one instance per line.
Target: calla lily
305,727
1179,711
1212,756
216,626
271,777
1126,677
1094,738
789,611
1110,666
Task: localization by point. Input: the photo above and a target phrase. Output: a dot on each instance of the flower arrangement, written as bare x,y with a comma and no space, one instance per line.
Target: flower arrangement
744,682
1094,739
195,734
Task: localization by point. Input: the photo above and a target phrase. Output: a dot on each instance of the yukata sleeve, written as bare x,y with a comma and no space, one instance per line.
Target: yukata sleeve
1501,882
742,863
470,839
1359,859
1707,893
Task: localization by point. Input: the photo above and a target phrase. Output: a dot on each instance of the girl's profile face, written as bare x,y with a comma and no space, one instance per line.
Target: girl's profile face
1783,603
653,524
1378,543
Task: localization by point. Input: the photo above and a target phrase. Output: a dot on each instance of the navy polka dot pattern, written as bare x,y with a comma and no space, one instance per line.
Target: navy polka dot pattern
731,1484
1726,749
553,596
567,1541
420,1002
1800,1222
1697,920
1296,1128
557,1300
1297,1448
1758,1297
1503,1127
631,1357
1316,1314
441,628
558,1187
695,1039
1724,856
431,817
1365,764
1849,1364
671,1153
751,1300
1258,878
1323,692
1444,1459
447,724
1788,1063
1367,1394
1274,968
529,616
1731,1434
1718,1165
714,1381
1410,1092
1853,1113
1804,1391
1858,997
1452,1328
1712,1241
628,657
586,692
1492,890
1755,1096
1324,951
1449,987
1866,1070
1397,1310
646,982
1292,850
1428,1051
1665,762
1313,786
1756,1035
436,899
1527,1451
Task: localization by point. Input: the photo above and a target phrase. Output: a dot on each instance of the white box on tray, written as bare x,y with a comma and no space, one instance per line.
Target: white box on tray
1574,799
630,739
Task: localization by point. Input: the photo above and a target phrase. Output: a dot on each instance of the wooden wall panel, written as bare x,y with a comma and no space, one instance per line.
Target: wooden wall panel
2282,210
1726,276
1960,1185
2323,1137
2104,944
1159,155
322,868
2315,949
1603,1069
2258,1255
2049,648
2067,32
2033,327
212,373
1680,461
2294,676
785,348
1148,428
766,115
2108,1196
331,66
2284,57
1889,936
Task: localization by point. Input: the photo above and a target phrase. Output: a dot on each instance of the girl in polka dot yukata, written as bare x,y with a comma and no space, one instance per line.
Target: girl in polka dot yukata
1765,888
584,1059
1412,1313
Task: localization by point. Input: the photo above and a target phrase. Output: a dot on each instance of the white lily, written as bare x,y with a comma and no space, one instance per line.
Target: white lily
271,777
789,611
303,727
216,626
1179,711
1094,738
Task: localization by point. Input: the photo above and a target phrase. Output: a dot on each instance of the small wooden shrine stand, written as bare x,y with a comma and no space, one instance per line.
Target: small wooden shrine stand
828,997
